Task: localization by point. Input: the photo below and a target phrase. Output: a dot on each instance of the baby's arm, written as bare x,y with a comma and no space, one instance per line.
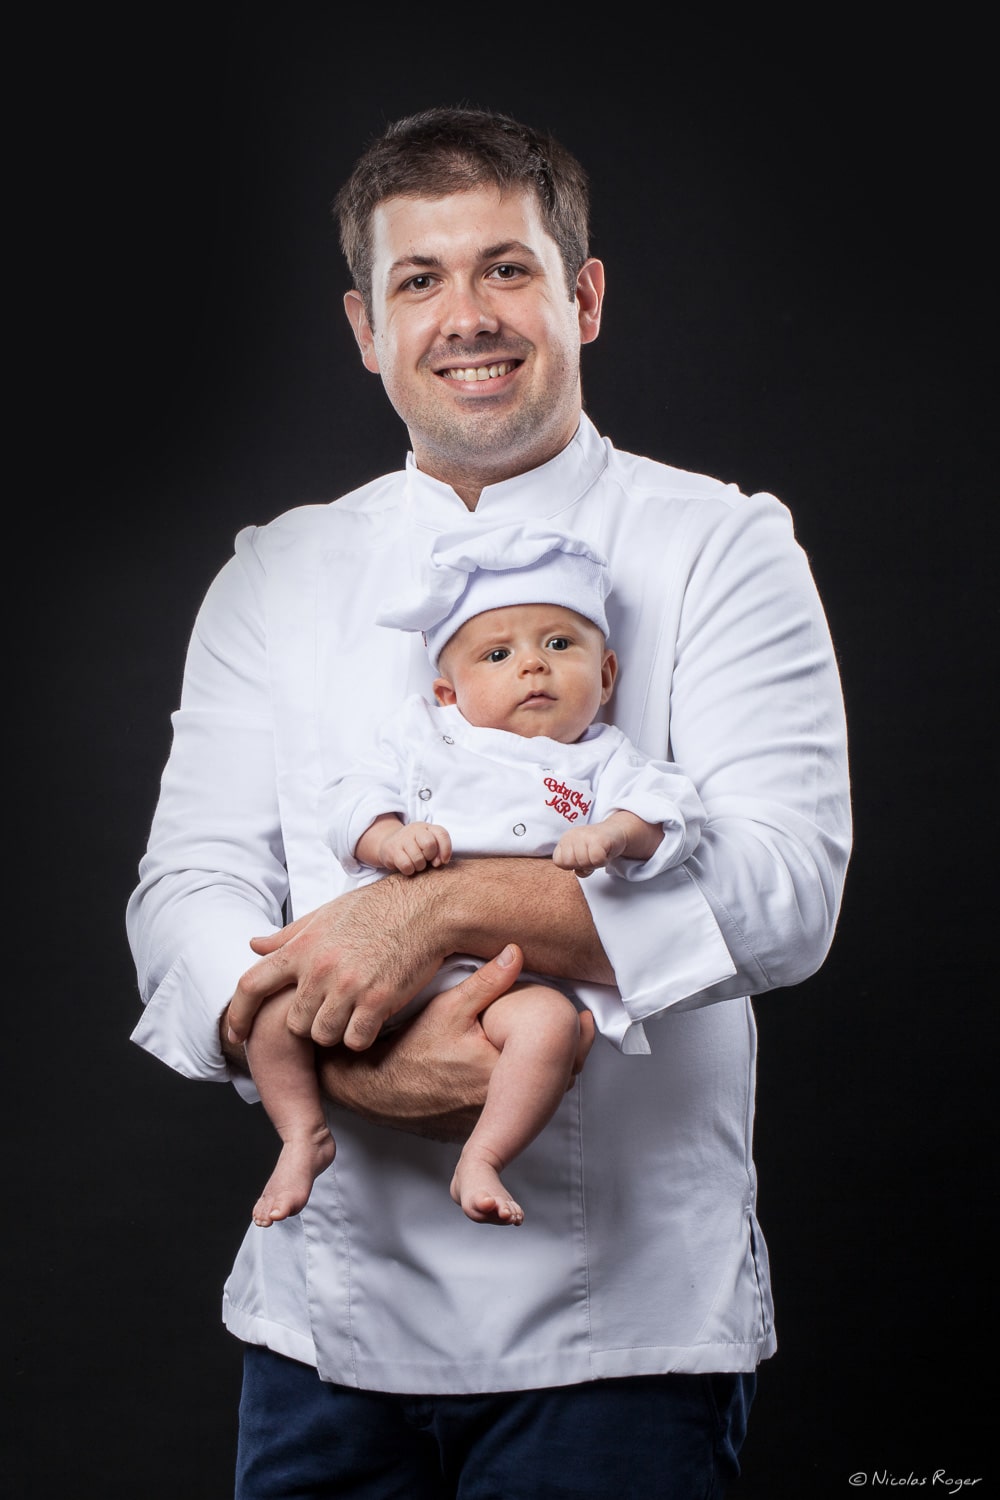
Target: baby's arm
390,844
621,835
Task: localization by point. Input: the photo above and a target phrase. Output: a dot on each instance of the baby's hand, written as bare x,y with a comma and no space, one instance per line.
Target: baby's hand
586,849
414,846
620,835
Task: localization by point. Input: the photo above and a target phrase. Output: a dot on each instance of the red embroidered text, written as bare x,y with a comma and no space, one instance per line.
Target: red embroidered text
570,804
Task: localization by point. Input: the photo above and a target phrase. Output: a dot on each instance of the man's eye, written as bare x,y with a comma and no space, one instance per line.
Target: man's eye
500,653
506,272
418,283
558,643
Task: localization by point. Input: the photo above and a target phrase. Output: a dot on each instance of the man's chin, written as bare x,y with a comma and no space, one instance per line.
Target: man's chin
485,432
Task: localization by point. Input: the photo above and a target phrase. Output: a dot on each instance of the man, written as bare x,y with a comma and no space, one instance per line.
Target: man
394,1348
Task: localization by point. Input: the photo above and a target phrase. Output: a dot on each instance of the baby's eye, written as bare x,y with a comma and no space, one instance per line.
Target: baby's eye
499,653
558,643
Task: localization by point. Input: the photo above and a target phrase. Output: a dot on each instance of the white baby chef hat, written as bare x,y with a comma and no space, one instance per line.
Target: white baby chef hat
470,571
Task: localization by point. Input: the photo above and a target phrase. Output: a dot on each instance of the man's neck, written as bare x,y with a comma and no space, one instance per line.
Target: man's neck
468,485
468,480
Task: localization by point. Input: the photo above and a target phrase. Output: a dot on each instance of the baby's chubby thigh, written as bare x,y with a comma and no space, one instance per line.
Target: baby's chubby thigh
539,992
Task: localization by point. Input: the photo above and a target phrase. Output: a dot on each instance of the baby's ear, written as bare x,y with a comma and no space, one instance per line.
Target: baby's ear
609,671
444,692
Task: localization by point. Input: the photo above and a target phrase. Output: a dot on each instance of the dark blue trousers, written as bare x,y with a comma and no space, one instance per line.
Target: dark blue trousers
649,1437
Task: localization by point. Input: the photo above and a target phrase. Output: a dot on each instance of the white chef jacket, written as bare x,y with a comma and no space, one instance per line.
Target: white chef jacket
500,793
641,1251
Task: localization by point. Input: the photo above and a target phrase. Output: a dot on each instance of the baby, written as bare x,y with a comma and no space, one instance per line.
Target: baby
508,760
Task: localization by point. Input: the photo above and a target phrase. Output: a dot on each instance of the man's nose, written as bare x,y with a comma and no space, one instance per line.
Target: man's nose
468,311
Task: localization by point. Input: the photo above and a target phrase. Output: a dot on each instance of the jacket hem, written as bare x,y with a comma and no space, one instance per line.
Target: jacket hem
455,1377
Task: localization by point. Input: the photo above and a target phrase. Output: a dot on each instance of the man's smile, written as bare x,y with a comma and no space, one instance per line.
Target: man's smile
480,372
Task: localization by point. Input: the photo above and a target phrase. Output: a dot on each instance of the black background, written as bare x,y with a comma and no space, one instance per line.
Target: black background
796,231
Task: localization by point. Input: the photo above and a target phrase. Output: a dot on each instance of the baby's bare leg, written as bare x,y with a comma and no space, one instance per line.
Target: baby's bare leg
536,1030
284,1069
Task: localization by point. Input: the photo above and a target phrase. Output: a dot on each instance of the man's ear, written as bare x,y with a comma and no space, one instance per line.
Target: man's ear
357,317
444,692
590,299
609,671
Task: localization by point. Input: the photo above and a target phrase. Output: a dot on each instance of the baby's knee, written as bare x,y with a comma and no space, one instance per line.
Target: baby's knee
533,1010
558,1013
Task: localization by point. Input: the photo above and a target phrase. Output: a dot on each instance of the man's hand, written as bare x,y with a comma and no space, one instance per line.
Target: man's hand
430,1077
353,962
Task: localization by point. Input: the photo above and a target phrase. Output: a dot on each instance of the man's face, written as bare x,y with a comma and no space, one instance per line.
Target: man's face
474,333
531,669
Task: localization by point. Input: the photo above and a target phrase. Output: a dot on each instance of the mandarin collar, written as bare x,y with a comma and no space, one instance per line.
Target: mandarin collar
538,494
504,744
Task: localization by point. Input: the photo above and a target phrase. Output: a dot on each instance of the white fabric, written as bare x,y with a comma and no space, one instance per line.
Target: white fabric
471,570
501,793
641,1251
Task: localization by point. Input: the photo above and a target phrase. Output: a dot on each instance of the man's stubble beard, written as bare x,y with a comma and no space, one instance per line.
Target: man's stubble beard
484,438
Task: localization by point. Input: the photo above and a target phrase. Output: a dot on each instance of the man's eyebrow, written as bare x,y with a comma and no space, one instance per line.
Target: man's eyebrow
405,262
508,247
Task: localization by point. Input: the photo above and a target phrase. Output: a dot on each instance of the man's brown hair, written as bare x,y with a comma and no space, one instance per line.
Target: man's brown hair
452,150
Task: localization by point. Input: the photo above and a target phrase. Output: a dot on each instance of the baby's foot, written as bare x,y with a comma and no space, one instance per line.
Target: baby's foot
482,1196
289,1185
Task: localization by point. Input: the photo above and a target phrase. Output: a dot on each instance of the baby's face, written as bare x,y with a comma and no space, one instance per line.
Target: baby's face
532,669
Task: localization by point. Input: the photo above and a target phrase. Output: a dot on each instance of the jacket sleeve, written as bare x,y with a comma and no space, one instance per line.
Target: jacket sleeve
213,874
657,792
757,722
368,789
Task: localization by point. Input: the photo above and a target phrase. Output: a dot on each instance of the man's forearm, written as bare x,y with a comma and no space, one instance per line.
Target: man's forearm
483,903
387,1086
404,1088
